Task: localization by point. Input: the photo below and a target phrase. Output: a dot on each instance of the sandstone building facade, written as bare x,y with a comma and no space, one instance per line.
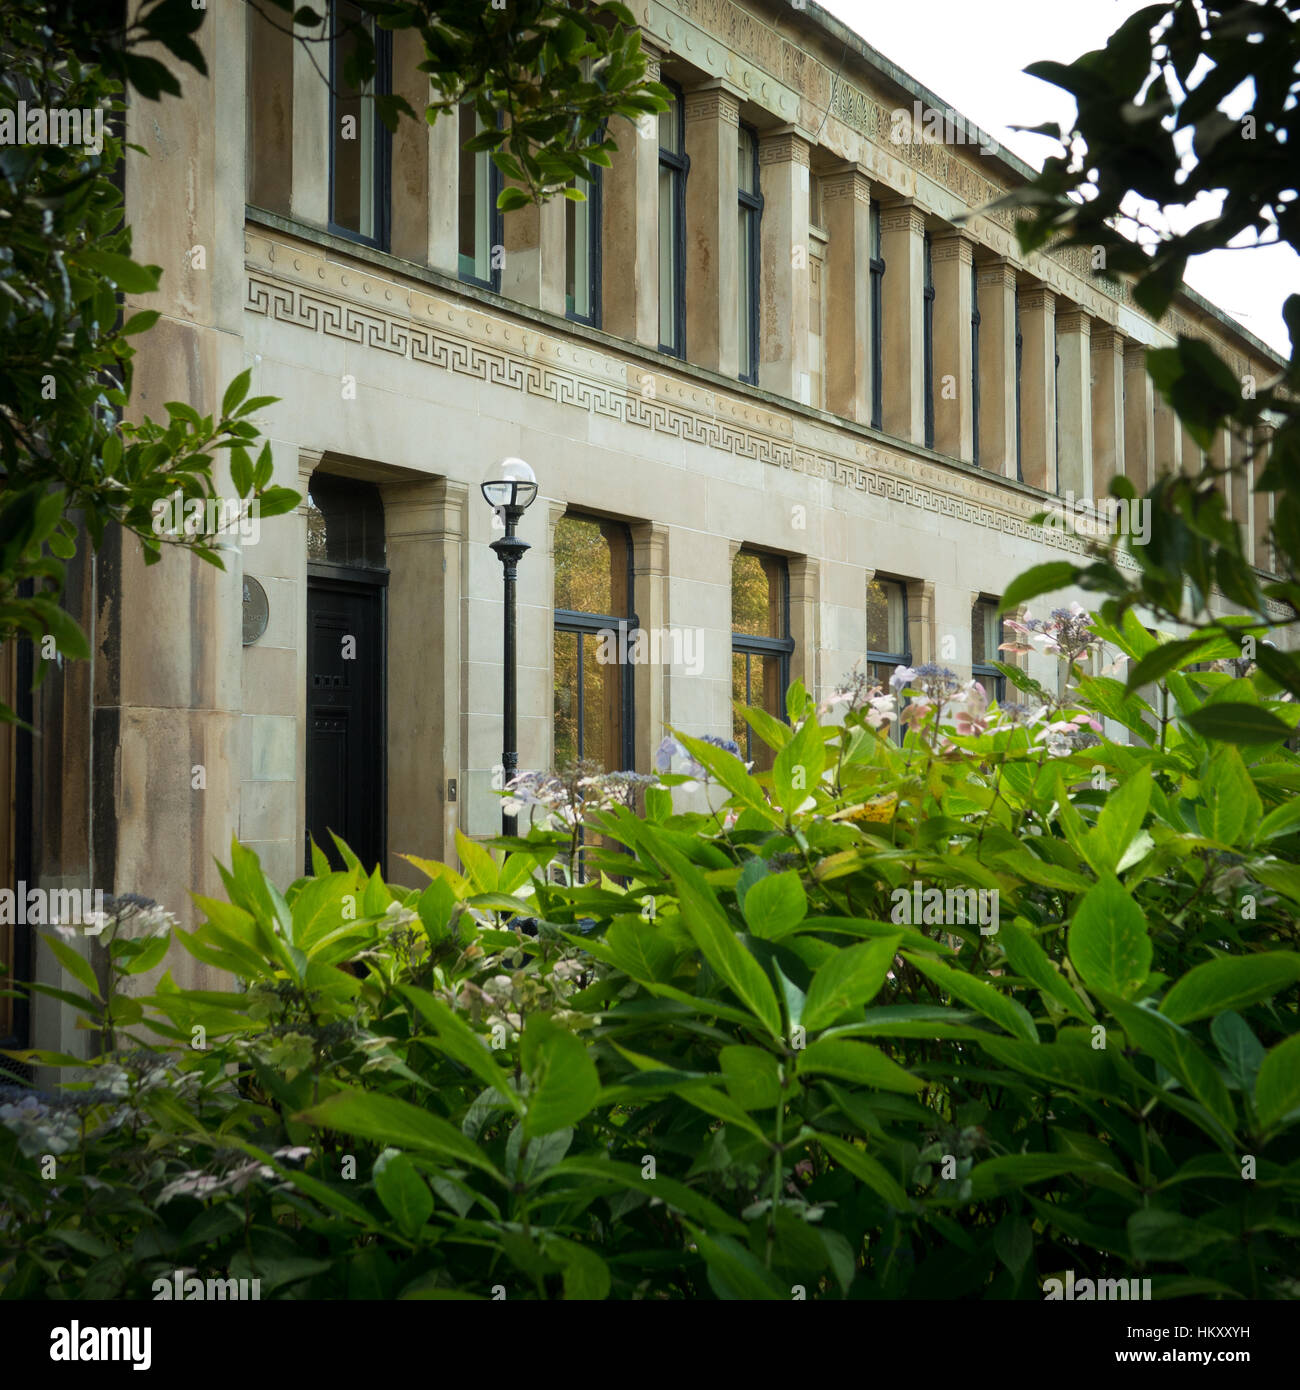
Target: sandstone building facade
788,406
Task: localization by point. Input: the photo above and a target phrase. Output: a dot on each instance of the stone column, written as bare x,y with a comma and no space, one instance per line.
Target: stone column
783,264
996,284
1193,455
310,196
630,227
1168,436
1107,407
951,256
1241,487
712,118
846,209
444,189
651,685
1139,418
805,625
902,236
921,620
533,270
411,202
1074,401
424,525
1038,387
1220,451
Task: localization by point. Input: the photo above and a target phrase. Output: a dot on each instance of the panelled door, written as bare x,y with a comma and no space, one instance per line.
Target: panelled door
346,754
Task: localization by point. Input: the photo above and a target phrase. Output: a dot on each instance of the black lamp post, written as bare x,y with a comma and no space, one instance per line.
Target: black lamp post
509,488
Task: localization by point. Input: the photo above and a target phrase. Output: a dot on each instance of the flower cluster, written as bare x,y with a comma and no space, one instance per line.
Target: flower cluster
144,917
1067,633
673,747
879,707
194,1183
577,790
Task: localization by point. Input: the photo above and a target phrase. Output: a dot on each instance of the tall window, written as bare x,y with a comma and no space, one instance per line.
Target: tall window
582,252
760,643
359,142
593,627
927,341
975,363
985,639
887,643
1020,345
749,210
1056,404
877,320
479,222
673,167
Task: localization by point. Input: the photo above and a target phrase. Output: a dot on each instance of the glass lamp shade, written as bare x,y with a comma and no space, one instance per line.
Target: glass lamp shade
511,484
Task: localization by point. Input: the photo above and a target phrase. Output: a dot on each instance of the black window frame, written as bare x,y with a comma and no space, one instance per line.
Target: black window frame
877,268
752,203
995,683
496,225
591,624
680,166
382,82
927,335
975,363
748,645
595,226
903,658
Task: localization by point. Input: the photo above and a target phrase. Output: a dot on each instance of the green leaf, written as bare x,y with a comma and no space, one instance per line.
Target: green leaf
1108,941
404,1193
713,934
866,1169
753,1077
1010,1172
641,949
855,1061
459,1041
129,276
672,1193
797,771
1119,822
1231,802
585,1274
1029,959
1277,1088
1241,1050
388,1120
1168,1237
236,391
981,997
850,978
1040,579
734,1273
1237,723
776,905
74,963
1231,982
565,1084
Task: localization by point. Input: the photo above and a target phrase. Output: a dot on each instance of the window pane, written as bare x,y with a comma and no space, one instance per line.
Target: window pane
745,161
475,210
740,693
985,634
588,555
756,595
744,291
667,257
601,687
885,617
577,247
345,522
670,126
353,138
566,698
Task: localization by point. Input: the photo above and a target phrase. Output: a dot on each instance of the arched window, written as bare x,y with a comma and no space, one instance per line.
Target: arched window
594,624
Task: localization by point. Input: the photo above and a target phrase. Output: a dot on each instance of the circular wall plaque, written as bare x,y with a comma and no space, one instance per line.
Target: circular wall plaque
256,610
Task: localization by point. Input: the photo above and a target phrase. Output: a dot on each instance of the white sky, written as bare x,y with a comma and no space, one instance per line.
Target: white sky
972,53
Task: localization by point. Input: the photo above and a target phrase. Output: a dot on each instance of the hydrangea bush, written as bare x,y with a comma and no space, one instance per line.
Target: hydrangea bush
762,1049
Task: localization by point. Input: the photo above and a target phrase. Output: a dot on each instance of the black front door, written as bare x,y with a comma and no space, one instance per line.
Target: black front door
346,756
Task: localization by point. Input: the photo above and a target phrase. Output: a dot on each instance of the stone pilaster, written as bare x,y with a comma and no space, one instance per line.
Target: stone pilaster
1074,401
902,236
996,285
1107,407
783,264
1139,419
846,209
712,119
1168,438
951,256
1038,387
